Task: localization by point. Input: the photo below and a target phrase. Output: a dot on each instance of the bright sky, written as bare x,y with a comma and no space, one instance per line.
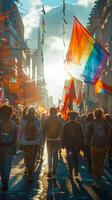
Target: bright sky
54,50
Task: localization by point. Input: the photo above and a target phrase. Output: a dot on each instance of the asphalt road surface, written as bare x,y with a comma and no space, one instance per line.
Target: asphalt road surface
60,189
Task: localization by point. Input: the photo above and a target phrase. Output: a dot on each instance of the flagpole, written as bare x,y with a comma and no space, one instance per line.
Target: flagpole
91,35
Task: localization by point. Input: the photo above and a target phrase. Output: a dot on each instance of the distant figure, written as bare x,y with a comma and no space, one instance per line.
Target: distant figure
97,137
25,112
30,139
15,118
73,141
8,136
53,131
87,148
108,119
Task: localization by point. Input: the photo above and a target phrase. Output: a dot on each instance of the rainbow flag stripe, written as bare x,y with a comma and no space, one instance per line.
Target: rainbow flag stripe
102,88
86,58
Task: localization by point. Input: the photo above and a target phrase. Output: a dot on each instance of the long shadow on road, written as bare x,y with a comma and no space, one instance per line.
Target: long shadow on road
65,188
20,189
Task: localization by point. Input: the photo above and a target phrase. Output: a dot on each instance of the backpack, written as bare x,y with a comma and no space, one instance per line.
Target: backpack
74,133
6,132
30,131
100,137
52,128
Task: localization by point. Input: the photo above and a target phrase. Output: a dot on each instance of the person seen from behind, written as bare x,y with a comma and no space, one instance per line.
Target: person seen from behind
8,136
73,141
87,149
53,132
97,137
30,139
108,119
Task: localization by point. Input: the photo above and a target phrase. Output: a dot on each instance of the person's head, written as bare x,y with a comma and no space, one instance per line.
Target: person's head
25,111
83,118
14,117
72,115
43,116
53,111
31,112
107,117
5,112
90,117
99,113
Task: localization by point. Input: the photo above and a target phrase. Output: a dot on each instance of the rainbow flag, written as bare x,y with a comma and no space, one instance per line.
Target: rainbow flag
102,88
86,59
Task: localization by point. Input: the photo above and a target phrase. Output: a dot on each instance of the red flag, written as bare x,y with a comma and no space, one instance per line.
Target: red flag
69,97
80,97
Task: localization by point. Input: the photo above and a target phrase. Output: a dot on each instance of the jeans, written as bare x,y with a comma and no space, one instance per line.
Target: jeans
98,155
72,158
88,156
30,154
5,165
52,149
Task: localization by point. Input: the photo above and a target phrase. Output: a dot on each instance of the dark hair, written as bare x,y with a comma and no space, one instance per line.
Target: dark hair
6,111
53,111
31,112
107,117
14,117
90,117
25,111
98,113
72,115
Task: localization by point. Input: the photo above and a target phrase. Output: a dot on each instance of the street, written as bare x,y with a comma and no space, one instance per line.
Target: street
60,189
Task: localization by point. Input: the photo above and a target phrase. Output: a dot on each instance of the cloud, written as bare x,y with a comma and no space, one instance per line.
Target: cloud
54,50
48,8
85,2
32,19
56,43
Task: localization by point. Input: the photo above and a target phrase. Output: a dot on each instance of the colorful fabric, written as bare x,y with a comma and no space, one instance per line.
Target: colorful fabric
68,98
80,98
86,58
102,88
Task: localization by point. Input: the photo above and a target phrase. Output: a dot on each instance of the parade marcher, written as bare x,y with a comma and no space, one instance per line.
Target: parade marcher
30,138
62,121
73,141
15,118
108,119
97,137
87,149
24,112
42,121
53,131
8,136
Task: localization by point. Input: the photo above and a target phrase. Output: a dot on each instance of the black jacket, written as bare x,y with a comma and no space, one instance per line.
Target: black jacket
72,135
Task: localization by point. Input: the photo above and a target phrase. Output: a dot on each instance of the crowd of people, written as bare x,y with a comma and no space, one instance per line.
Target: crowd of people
29,132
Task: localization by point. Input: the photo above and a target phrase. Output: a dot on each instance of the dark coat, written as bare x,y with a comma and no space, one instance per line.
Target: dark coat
72,135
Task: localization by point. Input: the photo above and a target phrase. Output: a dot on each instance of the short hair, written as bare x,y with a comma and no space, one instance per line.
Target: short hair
98,113
6,111
90,116
107,117
53,111
72,115
31,111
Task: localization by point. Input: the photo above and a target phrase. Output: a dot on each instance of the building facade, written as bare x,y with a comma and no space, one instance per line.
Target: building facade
100,26
12,44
